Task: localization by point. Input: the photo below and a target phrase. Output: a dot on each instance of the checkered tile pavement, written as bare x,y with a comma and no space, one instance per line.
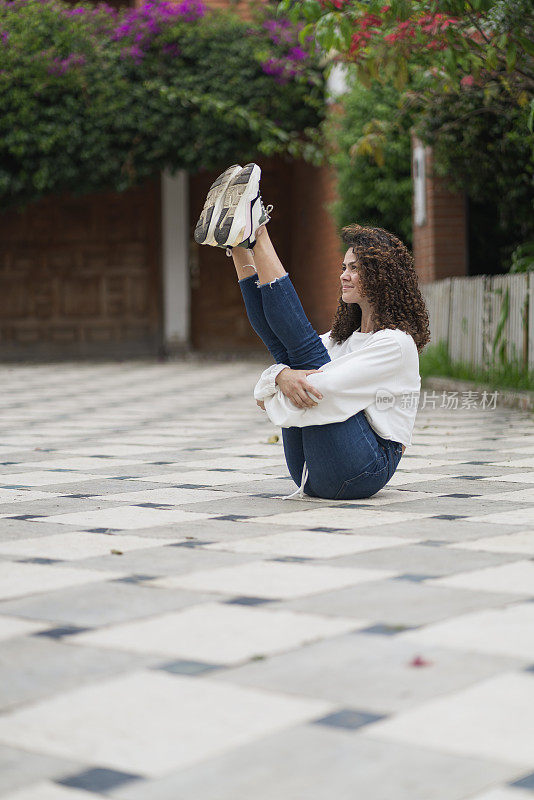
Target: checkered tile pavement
170,630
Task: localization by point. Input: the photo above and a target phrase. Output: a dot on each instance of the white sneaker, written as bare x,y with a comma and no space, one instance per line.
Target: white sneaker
205,226
242,210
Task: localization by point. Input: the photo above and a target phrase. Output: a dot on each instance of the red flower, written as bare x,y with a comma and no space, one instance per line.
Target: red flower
467,80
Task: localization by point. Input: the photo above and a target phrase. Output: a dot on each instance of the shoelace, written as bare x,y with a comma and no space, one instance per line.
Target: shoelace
300,490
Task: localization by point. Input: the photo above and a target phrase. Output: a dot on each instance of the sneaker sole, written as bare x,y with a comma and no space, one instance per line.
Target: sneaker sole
212,207
235,224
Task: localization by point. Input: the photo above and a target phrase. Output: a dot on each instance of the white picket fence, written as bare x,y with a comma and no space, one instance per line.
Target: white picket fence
483,318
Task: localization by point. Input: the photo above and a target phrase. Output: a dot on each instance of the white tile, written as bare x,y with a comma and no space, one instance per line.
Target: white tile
338,517
400,478
505,793
520,542
125,517
23,495
113,450
433,450
505,631
206,478
517,496
492,720
81,463
309,544
13,626
271,579
521,516
419,462
218,633
388,495
516,578
172,496
17,580
244,464
514,477
45,790
151,723
79,544
45,478
515,462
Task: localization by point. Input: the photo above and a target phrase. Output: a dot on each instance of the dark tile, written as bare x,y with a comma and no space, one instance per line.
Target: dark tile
41,560
98,779
247,601
330,530
190,486
102,530
354,505
524,783
461,495
410,576
468,477
348,718
60,633
530,668
233,517
196,543
291,559
134,579
188,667
28,516
387,630
154,505
449,516
77,496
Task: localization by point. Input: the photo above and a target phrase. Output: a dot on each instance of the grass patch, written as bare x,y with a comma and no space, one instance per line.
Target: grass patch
435,361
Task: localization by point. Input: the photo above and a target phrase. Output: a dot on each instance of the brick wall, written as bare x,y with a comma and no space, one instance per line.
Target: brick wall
80,276
316,252
440,244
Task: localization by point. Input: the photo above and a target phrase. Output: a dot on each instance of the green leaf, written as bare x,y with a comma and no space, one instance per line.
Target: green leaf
511,57
491,57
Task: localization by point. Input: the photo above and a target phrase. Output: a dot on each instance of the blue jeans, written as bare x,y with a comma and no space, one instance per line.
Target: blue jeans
346,460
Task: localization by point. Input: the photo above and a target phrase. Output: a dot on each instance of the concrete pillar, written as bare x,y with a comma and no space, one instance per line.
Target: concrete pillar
440,237
175,260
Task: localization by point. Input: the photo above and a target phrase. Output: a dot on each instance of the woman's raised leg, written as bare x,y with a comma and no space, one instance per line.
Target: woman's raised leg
248,280
283,309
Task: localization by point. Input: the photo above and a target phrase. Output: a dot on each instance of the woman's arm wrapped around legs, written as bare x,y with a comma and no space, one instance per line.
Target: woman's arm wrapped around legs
348,384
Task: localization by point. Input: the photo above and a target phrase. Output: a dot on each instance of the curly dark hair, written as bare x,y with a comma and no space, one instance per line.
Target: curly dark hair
389,281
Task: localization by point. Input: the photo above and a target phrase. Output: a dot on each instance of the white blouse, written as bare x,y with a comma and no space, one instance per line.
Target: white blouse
374,372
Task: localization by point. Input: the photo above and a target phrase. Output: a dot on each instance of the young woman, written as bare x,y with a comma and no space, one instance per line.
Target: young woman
346,401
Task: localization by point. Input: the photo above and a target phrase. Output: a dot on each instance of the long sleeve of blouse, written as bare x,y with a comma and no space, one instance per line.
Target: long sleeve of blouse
349,383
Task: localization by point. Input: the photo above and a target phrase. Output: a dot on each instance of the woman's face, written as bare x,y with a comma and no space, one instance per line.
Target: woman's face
350,282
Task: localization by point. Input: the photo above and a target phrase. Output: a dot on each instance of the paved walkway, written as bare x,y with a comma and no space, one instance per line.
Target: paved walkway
172,631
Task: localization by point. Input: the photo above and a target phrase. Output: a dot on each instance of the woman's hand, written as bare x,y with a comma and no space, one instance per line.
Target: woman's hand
294,386
261,404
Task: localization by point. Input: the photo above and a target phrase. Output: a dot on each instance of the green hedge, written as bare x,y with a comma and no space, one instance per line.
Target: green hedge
93,99
373,171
